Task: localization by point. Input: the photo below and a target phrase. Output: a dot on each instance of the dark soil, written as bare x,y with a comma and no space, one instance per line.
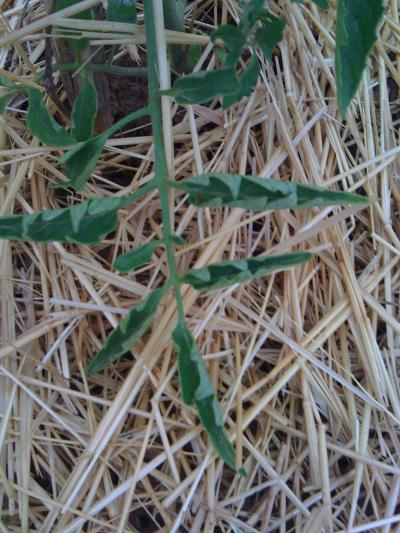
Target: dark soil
128,94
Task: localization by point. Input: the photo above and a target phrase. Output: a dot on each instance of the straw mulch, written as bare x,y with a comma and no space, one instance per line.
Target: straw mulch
305,362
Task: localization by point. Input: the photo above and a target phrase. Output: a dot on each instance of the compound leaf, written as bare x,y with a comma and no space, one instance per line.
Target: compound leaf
356,32
86,223
198,390
129,330
84,111
42,125
122,11
136,258
259,194
219,275
203,86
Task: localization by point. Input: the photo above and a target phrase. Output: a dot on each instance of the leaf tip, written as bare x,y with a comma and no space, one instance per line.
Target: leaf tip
91,368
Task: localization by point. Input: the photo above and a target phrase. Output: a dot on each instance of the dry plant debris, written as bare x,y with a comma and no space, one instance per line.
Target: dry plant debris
305,362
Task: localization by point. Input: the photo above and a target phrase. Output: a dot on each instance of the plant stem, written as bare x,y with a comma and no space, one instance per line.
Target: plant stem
161,173
144,189
125,120
174,20
108,69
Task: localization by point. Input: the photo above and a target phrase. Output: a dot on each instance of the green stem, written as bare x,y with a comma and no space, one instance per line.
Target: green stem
150,186
138,72
161,173
174,20
125,120
132,72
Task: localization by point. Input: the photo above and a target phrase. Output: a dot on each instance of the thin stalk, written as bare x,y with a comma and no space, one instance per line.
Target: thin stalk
161,175
109,69
138,72
144,189
125,120
174,20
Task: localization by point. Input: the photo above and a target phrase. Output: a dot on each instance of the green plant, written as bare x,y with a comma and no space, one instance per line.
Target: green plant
90,221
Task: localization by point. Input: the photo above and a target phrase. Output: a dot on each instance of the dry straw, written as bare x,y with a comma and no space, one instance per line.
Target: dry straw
306,363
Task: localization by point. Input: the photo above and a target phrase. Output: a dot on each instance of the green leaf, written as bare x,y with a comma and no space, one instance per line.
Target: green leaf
320,3
86,223
84,111
253,12
259,194
219,275
5,82
193,52
356,32
197,389
136,258
233,39
192,370
42,125
174,19
203,86
209,413
81,161
7,96
309,196
179,241
5,99
269,35
122,11
247,81
129,330
174,14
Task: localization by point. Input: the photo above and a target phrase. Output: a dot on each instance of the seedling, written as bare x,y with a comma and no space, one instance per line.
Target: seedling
258,32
